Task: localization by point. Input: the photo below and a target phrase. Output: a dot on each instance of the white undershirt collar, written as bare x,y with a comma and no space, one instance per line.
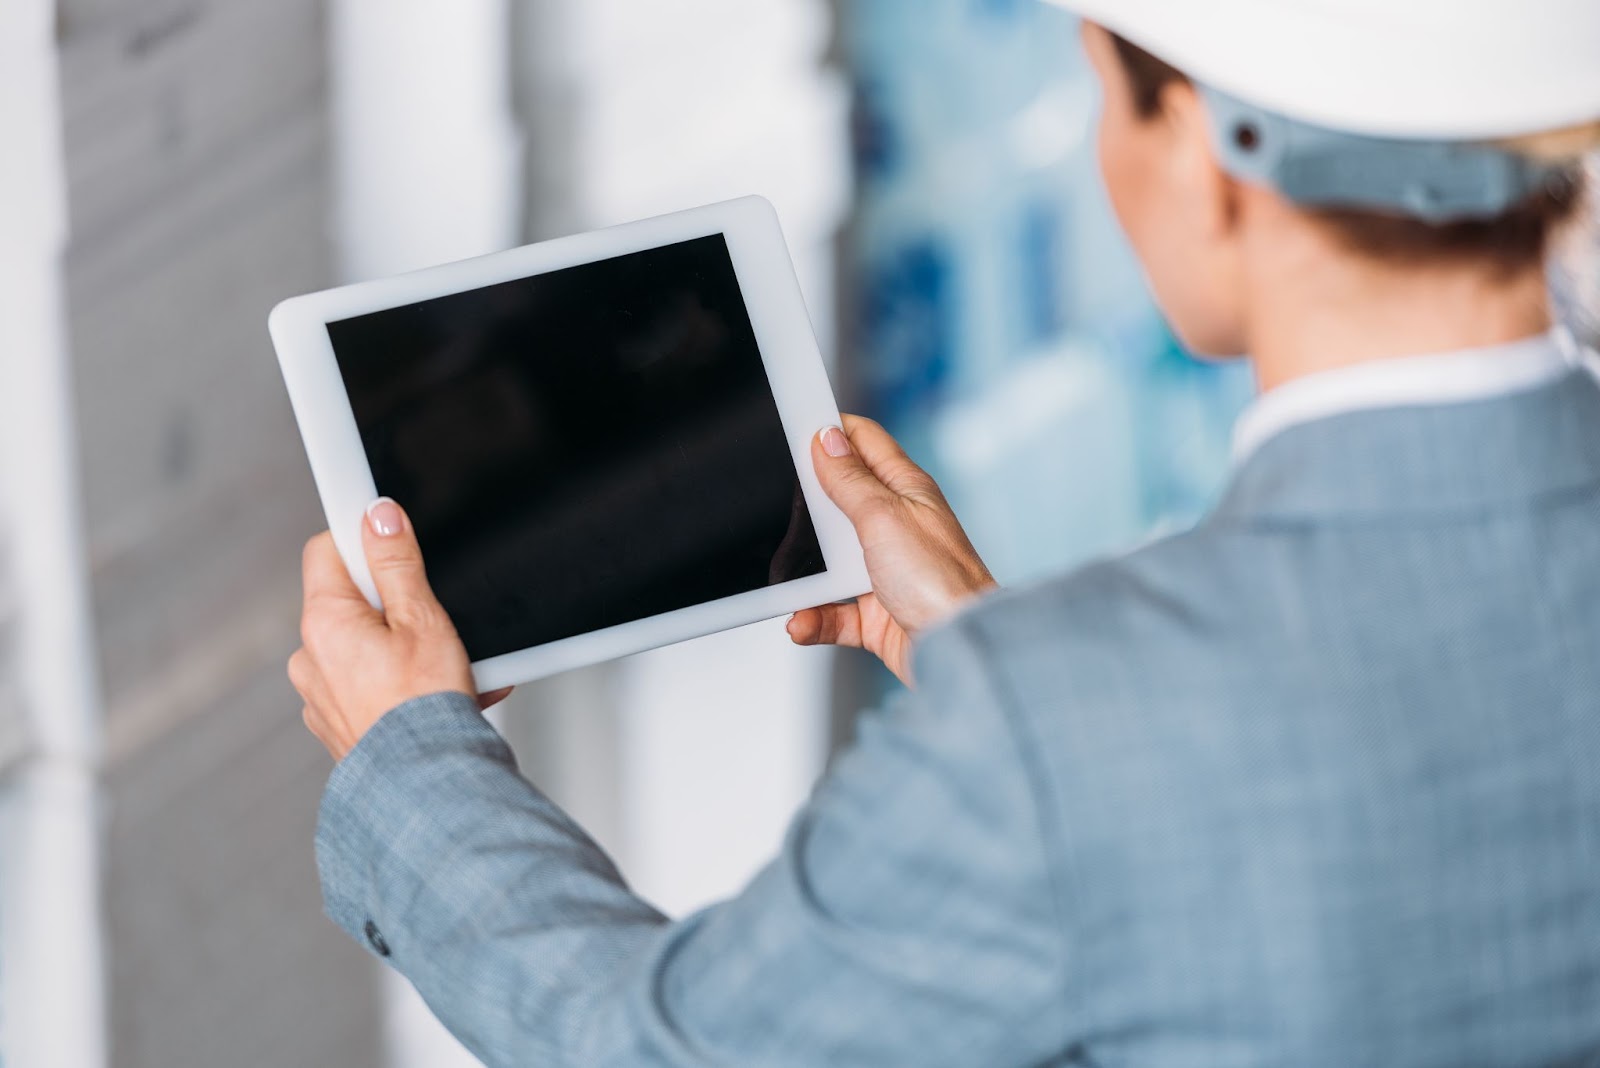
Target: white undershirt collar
1407,381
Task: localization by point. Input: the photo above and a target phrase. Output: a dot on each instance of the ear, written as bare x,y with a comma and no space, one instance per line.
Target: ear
1208,309
1214,195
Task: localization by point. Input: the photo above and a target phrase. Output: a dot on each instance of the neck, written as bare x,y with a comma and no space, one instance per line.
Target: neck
1345,313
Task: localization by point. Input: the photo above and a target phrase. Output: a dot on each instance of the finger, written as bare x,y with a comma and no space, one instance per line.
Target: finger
325,576
833,624
319,728
333,606
884,457
846,478
487,701
395,559
301,673
307,679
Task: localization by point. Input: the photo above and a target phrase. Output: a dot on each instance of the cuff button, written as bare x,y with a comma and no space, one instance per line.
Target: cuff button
375,939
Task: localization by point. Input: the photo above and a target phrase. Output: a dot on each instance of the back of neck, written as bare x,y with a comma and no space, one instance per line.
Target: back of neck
1342,314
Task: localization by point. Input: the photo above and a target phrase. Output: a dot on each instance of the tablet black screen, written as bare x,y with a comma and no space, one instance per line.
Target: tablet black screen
584,448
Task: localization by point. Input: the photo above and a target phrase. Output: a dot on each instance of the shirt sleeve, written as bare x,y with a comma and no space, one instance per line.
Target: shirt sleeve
909,918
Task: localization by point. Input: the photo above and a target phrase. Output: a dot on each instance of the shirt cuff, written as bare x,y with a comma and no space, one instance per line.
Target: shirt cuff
371,801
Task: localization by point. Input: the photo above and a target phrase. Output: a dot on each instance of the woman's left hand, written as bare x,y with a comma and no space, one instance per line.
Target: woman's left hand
357,663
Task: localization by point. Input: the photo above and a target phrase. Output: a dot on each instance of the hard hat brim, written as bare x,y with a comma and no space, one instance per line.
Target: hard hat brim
1413,69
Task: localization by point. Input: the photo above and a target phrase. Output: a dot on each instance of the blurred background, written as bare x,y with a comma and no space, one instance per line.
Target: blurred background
172,168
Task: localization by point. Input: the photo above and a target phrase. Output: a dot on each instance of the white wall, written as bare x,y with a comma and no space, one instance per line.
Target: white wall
52,1008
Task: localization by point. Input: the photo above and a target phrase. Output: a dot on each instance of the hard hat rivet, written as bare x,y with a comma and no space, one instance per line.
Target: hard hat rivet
1246,136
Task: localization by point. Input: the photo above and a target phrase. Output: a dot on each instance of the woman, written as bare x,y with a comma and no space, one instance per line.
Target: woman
1312,784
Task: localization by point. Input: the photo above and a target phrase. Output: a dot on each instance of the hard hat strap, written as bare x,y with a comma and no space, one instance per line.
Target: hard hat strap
1435,181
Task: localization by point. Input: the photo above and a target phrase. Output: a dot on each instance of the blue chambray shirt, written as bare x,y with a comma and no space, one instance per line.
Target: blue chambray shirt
1315,784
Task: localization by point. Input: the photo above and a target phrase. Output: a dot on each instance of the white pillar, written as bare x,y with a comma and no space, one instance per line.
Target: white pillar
634,110
426,172
52,959
424,145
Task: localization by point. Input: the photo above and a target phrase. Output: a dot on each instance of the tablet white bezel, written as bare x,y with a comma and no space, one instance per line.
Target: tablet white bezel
789,350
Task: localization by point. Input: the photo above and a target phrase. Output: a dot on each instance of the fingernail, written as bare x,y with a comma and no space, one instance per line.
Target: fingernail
834,443
386,518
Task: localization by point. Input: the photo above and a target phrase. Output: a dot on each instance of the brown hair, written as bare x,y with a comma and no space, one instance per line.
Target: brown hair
1517,239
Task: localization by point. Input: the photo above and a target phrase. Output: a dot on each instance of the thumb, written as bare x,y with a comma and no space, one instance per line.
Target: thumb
395,560
845,477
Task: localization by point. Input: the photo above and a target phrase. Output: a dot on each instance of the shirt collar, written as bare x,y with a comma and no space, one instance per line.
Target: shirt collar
1406,381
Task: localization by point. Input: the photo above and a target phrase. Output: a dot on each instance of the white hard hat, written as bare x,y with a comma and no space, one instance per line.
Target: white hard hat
1412,69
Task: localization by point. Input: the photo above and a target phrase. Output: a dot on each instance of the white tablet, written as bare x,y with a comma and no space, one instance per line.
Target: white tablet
604,442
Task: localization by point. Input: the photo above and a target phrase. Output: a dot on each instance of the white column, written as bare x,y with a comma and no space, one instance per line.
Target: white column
634,110
425,149
426,172
52,959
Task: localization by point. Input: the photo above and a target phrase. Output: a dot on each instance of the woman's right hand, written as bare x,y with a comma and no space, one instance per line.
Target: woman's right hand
922,567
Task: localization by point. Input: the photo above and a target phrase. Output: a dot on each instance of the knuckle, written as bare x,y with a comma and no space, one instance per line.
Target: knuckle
852,474
299,669
922,489
859,480
418,614
395,563
899,467
316,546
314,629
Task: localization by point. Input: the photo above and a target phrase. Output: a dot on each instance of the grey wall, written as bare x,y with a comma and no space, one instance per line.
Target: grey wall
197,156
